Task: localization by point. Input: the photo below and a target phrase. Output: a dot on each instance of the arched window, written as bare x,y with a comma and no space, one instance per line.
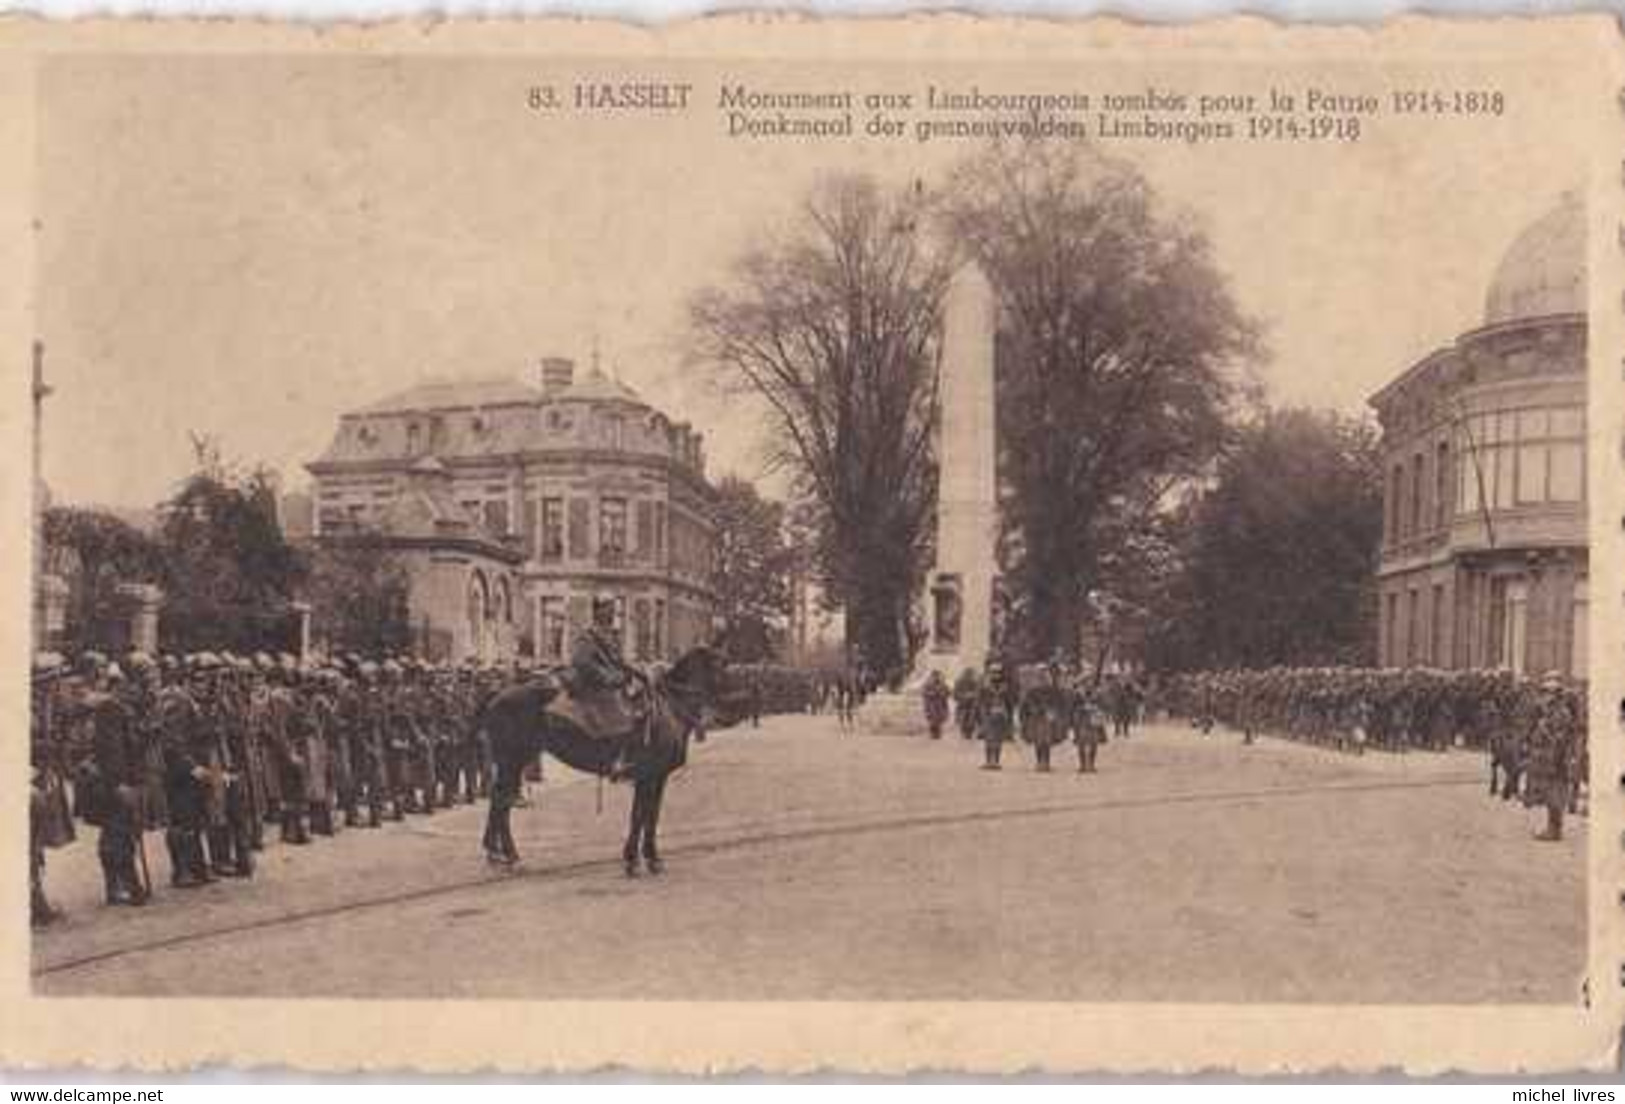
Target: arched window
504,611
479,603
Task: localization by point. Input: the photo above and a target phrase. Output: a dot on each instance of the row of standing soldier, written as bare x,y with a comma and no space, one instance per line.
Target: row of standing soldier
212,748
1533,730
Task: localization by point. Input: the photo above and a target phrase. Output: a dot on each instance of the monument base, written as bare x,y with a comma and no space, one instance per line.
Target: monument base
885,713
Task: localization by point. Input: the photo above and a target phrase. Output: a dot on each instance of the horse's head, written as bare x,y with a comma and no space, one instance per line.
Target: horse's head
696,679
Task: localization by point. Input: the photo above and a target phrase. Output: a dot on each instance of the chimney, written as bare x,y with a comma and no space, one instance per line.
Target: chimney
557,374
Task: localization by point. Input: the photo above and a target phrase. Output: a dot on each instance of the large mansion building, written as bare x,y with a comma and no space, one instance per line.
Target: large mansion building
515,505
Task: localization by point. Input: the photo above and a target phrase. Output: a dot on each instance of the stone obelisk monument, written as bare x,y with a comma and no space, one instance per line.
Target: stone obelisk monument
959,595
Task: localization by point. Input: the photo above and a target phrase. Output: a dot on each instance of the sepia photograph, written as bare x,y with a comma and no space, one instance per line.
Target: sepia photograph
596,528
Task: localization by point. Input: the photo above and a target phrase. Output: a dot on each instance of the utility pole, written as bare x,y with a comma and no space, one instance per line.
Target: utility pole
41,393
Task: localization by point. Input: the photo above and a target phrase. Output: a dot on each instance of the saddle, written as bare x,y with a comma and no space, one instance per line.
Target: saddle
602,714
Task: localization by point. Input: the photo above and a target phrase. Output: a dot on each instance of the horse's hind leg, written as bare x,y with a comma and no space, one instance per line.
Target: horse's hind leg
651,825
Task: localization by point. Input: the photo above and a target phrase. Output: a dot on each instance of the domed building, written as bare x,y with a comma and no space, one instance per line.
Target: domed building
515,506
1484,537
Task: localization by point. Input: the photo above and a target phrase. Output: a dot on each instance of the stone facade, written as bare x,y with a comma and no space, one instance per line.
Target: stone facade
1484,518
517,505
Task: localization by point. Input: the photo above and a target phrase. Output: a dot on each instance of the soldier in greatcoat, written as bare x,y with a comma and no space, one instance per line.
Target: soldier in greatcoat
188,770
116,784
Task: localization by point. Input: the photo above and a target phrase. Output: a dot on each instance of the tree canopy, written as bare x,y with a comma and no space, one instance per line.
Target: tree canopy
1277,558
231,576
754,565
834,324
1121,360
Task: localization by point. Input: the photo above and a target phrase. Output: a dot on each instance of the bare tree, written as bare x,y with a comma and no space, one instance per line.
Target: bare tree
1121,357
835,324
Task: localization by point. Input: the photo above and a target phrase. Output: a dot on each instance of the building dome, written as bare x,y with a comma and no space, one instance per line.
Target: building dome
1544,272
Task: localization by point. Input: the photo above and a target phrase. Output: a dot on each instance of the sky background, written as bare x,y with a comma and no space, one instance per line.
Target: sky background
246,247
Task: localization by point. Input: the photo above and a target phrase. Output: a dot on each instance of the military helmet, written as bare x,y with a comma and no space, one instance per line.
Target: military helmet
113,673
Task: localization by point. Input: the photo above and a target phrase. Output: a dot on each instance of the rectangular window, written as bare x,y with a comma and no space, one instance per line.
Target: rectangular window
1517,627
1413,627
1498,622
1505,475
552,529
1441,488
1531,473
532,516
496,516
1568,471
640,630
643,530
657,631
660,534
579,614
1391,635
529,632
611,531
1579,647
580,538
1396,504
1436,628
1416,494
555,623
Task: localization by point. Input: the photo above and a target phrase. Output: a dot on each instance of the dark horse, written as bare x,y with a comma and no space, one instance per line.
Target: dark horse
520,727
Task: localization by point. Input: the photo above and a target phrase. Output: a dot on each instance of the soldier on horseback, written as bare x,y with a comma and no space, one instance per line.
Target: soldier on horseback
609,693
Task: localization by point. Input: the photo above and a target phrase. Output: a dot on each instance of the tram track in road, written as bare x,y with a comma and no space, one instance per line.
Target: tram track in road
740,836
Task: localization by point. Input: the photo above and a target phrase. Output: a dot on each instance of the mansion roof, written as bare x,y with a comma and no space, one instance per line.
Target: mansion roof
492,418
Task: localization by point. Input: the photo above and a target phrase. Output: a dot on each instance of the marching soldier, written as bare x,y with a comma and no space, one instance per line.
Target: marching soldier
995,710
967,692
1088,726
935,694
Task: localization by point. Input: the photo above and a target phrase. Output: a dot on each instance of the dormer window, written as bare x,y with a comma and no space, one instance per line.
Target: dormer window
414,438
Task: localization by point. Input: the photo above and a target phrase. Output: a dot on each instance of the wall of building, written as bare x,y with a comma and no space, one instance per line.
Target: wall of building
605,499
1484,531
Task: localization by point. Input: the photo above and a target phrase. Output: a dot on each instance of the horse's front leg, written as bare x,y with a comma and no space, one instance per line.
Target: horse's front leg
634,832
651,826
499,842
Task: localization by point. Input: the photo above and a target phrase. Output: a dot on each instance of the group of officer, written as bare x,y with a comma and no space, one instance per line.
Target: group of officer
1534,729
213,747
1045,704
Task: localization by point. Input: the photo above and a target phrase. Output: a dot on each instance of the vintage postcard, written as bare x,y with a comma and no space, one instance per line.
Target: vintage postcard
979,546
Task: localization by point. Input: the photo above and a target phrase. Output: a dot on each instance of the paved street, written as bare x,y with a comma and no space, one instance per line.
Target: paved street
808,864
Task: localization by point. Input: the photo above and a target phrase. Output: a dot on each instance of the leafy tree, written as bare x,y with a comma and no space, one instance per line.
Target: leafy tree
95,552
232,577
753,568
1119,367
835,324
358,591
1279,553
